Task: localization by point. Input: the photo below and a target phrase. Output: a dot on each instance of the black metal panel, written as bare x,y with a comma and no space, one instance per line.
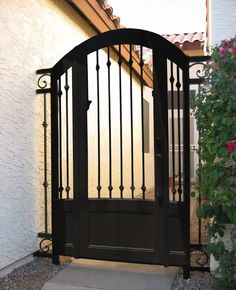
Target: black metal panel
186,166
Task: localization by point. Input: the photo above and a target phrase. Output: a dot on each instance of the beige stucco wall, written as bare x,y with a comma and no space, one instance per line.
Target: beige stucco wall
34,35
223,20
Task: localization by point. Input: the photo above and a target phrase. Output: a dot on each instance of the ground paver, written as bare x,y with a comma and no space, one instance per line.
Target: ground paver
83,274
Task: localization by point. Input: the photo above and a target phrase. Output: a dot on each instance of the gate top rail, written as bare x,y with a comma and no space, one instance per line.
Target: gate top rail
116,37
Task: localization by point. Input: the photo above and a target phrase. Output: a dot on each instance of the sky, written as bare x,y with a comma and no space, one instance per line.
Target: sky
162,16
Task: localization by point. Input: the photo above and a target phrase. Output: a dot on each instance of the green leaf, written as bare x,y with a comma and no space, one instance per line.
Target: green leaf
193,194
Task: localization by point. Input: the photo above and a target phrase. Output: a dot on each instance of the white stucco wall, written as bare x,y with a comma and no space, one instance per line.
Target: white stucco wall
223,20
34,34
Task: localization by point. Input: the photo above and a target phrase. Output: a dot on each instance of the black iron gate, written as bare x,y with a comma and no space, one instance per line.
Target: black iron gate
120,159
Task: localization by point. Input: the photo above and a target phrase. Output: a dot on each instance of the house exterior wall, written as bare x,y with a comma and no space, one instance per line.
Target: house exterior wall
223,20
34,35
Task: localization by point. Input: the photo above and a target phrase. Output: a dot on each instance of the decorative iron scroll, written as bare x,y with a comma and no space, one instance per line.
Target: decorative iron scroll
44,248
199,257
43,82
200,73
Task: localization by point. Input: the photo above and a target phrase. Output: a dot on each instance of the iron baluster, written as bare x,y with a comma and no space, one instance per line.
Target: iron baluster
59,94
98,126
132,187
45,183
121,128
110,188
199,222
143,188
173,129
67,138
200,197
178,85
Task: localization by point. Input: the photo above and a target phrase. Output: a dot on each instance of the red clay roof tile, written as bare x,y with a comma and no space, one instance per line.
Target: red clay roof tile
185,37
178,38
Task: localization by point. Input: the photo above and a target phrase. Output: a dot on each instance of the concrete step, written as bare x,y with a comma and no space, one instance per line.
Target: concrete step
83,274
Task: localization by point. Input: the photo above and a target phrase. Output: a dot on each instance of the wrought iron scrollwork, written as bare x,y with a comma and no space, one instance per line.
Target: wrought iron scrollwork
199,257
43,81
202,259
44,248
200,73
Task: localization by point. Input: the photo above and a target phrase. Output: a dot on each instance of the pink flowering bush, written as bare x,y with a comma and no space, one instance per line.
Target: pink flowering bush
215,112
231,146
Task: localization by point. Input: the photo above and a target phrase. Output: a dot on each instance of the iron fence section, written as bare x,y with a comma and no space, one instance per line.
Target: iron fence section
199,259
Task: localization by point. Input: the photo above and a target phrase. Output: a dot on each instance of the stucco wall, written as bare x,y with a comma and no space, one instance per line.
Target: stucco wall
223,20
34,34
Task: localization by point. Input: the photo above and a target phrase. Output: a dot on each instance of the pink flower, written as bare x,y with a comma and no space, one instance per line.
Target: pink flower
231,146
234,49
225,44
222,51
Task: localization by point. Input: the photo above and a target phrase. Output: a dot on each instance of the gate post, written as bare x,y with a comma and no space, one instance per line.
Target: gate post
161,143
186,142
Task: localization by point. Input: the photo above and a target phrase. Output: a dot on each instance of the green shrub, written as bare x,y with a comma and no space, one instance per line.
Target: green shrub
215,112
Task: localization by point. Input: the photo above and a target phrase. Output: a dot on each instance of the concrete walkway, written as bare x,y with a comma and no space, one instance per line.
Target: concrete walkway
84,274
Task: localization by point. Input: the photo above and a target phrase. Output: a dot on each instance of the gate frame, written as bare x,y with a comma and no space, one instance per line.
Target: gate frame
72,59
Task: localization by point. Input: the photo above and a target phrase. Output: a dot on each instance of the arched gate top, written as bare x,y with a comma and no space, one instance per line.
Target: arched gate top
123,36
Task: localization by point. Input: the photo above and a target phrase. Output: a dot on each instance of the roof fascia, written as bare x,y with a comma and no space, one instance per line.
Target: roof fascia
101,22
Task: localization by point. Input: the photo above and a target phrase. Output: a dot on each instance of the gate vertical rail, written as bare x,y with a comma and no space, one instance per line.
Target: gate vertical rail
54,166
186,144
80,146
161,141
199,258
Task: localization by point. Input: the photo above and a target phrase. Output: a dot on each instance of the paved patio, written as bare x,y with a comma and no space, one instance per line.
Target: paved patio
84,274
